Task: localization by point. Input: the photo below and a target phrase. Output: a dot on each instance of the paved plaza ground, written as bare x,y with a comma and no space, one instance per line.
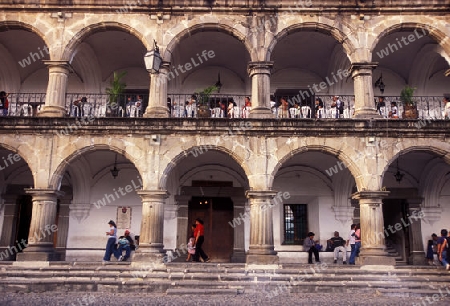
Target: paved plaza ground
141,299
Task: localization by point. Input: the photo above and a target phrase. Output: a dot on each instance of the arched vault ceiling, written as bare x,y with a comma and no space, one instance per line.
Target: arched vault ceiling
229,52
305,50
116,50
393,53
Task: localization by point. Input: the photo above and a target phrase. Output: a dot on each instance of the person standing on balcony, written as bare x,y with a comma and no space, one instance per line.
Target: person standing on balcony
381,104
319,107
394,111
4,103
247,108
283,109
446,102
339,105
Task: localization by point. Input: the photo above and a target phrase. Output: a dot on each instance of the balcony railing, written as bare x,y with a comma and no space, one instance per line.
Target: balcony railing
220,106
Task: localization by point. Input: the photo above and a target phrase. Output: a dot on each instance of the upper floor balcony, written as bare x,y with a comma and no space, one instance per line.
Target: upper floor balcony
224,106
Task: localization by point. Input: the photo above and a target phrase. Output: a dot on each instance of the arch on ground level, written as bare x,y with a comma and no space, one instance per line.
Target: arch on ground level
440,152
338,35
185,153
207,27
339,154
58,174
21,154
92,29
439,36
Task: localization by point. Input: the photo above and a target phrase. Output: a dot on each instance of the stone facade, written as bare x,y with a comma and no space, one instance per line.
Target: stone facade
341,169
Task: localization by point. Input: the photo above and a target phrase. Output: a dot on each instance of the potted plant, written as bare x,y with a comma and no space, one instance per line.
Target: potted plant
203,107
115,91
409,105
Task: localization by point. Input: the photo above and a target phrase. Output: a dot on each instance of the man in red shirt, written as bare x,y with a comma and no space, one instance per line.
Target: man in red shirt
199,239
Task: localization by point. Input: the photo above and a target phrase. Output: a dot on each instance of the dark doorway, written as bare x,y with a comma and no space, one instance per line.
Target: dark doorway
24,209
216,212
397,228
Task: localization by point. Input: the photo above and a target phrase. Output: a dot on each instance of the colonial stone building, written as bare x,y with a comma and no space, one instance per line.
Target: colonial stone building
260,180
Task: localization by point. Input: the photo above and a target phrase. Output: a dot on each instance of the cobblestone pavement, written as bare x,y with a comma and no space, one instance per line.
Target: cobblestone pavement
141,299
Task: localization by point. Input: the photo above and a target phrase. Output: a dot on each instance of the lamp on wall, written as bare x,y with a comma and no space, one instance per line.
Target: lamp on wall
153,59
398,175
115,171
218,83
379,83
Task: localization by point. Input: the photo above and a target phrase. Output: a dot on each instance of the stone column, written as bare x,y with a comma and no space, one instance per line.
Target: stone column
183,228
261,249
9,226
55,99
63,226
373,248
239,230
260,73
151,237
416,253
157,101
364,99
43,226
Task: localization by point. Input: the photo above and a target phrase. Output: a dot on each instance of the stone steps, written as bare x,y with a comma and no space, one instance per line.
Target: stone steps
212,278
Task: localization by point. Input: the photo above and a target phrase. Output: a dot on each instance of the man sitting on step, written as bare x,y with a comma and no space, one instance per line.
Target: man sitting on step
338,244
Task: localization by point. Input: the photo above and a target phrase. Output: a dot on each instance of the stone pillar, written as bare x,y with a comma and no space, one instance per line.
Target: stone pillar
364,99
43,226
239,231
55,99
373,248
151,237
183,228
261,248
260,72
9,226
416,253
157,101
63,227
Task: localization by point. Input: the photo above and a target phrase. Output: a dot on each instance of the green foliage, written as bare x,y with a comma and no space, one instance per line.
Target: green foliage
203,96
117,87
406,95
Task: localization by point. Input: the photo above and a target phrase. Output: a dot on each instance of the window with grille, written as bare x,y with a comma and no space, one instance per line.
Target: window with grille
295,223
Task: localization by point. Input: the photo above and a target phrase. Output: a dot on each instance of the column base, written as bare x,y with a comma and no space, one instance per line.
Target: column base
147,258
261,113
238,256
157,112
376,256
38,253
262,259
150,253
367,113
417,258
52,111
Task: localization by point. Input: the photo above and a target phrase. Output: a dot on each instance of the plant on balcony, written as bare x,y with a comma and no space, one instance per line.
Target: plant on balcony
409,105
116,89
203,109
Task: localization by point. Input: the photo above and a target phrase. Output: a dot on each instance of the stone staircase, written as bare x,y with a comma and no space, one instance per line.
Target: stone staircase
223,278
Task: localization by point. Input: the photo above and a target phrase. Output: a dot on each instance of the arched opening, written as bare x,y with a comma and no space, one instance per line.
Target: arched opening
319,188
211,186
100,185
418,181
15,204
310,64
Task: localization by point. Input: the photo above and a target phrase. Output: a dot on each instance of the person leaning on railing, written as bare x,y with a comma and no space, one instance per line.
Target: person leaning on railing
446,102
4,103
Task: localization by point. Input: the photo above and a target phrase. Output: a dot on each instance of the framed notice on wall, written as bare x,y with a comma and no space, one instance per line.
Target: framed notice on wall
123,217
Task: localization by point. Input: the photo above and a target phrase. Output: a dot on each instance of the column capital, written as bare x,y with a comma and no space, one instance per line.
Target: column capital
153,194
59,64
363,66
260,194
370,195
260,68
44,194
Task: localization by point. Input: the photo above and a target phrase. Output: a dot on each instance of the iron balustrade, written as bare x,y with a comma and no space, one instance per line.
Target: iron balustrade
186,106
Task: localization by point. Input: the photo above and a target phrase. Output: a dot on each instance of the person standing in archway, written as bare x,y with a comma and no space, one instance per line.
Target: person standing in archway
199,239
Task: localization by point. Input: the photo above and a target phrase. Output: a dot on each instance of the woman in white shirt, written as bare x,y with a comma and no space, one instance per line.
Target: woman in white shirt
111,243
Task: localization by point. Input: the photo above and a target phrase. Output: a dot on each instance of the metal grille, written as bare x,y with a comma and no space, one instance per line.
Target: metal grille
295,223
